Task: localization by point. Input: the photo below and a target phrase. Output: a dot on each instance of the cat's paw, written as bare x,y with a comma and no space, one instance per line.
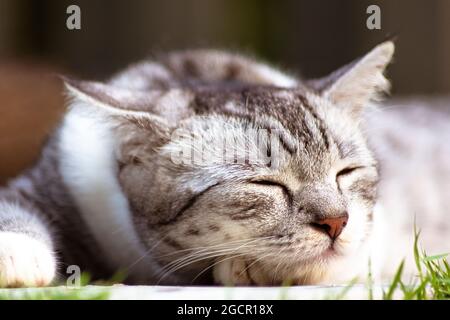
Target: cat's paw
232,272
24,261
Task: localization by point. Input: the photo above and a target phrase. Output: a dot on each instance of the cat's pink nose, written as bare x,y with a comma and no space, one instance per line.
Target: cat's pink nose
332,226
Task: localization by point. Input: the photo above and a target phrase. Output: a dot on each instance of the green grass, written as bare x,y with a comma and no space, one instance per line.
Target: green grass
97,291
431,282
55,293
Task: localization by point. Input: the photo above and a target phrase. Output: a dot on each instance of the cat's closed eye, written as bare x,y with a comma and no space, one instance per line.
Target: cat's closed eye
271,183
348,170
268,183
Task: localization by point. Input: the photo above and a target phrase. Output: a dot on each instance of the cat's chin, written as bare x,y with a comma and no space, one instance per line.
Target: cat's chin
328,255
335,266
336,250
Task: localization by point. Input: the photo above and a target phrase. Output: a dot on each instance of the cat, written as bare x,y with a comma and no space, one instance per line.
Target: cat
116,187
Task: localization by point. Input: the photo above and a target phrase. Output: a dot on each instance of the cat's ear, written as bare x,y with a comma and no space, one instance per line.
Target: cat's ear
128,113
112,99
126,110
360,81
119,105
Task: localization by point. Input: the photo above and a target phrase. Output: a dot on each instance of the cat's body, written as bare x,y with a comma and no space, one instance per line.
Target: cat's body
410,138
111,190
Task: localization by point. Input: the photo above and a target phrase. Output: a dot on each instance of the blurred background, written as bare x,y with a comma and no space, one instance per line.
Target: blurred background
308,37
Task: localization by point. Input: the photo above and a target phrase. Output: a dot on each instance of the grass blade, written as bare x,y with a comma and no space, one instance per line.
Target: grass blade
397,279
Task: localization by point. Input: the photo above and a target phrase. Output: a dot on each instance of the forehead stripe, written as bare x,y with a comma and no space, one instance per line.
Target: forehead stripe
318,121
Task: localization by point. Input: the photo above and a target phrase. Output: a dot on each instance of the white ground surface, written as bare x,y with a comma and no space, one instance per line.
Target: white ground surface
214,293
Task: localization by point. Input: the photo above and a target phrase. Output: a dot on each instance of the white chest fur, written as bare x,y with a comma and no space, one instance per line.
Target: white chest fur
88,168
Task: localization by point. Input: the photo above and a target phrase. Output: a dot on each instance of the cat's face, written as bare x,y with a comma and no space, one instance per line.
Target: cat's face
263,207
279,178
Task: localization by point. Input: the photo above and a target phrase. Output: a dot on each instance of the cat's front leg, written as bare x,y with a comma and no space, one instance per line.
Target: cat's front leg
232,272
239,272
26,253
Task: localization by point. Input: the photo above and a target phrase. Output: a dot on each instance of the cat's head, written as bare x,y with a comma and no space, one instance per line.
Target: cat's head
280,178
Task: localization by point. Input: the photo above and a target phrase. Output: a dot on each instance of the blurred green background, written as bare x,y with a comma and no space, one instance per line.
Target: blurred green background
311,37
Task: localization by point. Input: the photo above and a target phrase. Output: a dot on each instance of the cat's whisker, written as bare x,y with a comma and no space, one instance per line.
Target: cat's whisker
278,264
146,253
221,248
205,255
199,253
196,257
183,263
216,263
191,259
213,246
243,254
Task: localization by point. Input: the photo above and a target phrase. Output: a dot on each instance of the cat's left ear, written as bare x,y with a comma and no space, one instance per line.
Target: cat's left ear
359,82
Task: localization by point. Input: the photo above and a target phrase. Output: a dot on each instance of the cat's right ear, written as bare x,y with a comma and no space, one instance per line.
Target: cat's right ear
359,82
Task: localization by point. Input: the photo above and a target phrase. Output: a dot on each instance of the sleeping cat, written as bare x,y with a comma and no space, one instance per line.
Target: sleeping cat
202,167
